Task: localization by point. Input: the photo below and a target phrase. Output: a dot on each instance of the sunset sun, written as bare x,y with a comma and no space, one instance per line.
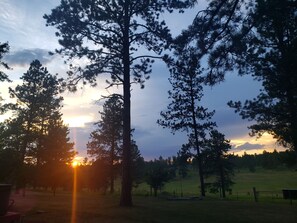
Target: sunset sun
74,163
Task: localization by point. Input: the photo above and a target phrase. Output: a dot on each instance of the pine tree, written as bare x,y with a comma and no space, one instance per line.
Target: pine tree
217,161
35,114
106,140
4,49
184,112
109,34
270,57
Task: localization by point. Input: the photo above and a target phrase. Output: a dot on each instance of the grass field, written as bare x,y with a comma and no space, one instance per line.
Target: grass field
43,207
268,182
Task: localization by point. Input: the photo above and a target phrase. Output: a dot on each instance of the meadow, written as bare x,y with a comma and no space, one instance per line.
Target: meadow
43,207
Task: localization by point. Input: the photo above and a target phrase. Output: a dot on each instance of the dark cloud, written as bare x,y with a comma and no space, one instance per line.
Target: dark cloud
247,146
26,56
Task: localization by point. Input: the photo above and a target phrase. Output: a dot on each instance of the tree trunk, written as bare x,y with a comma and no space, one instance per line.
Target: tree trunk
111,166
197,143
126,192
155,192
222,181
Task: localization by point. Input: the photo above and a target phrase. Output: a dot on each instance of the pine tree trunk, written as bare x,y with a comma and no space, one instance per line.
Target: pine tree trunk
222,181
201,175
111,166
126,192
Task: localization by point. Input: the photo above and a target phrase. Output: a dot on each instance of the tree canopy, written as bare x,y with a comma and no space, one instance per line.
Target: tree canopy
35,132
109,35
270,50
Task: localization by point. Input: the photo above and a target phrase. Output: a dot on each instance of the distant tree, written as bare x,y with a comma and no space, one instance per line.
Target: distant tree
185,112
158,172
106,140
288,158
270,56
182,164
108,34
217,162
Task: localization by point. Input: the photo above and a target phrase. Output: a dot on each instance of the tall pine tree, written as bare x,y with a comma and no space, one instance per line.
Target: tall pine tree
185,111
109,34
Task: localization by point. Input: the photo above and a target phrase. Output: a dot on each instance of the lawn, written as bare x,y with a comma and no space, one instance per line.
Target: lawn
43,207
269,183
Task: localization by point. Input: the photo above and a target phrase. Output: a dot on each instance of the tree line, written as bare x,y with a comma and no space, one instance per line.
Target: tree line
244,37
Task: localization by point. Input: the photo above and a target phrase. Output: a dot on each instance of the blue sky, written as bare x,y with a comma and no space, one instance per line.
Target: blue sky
22,25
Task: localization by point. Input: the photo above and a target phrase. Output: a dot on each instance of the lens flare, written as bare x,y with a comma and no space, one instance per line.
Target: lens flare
74,195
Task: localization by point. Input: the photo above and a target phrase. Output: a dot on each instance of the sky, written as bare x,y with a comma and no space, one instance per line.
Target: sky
22,25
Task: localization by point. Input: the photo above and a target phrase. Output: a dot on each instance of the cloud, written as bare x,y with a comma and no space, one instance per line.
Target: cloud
248,146
80,136
25,56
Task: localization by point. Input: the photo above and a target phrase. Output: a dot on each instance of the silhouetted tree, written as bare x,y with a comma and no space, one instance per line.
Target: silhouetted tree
108,34
270,57
209,35
57,151
138,165
106,140
36,117
185,112
217,162
4,49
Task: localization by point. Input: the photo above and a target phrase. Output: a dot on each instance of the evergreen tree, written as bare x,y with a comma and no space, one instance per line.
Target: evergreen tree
185,112
106,140
109,34
158,172
270,57
36,116
217,162
4,49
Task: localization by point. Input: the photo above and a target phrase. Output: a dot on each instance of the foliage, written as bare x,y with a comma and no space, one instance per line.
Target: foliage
106,140
217,162
208,38
106,143
35,133
4,49
158,172
109,35
267,160
273,62
184,111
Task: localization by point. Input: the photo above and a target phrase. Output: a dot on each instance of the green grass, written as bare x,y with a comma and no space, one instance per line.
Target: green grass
38,207
43,207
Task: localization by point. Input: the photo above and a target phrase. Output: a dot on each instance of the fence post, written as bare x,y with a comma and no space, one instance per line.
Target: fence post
255,194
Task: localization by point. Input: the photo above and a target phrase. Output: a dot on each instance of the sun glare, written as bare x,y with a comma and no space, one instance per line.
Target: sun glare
78,121
74,163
